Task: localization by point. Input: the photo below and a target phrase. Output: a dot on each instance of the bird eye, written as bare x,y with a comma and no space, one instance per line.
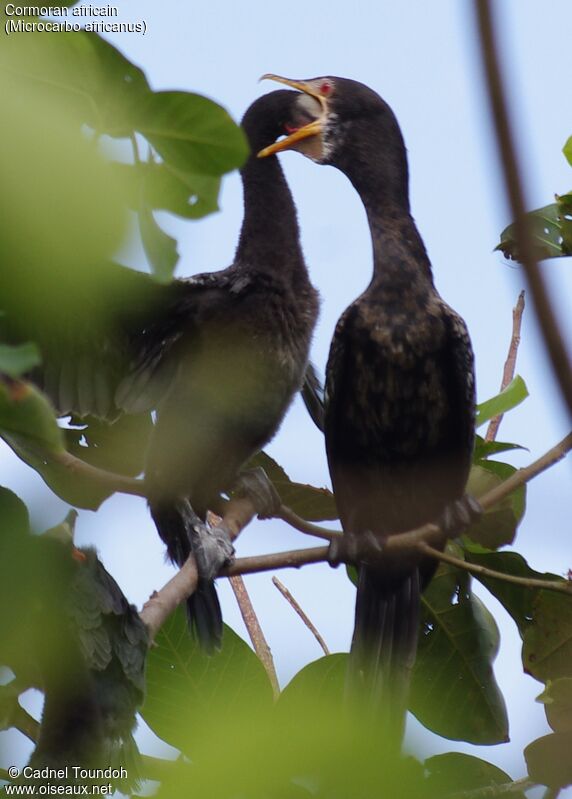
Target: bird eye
326,88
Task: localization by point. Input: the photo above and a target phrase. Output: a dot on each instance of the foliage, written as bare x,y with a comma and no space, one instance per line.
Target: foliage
551,226
76,198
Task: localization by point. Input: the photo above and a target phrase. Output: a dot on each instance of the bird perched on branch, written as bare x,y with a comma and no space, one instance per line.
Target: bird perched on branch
400,396
220,357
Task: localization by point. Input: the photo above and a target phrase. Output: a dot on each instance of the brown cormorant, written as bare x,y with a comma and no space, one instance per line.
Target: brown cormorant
400,389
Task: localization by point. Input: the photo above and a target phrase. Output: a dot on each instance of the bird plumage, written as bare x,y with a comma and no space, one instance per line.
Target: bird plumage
399,404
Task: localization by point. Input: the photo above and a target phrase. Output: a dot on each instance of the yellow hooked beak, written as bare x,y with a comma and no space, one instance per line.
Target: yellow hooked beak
313,128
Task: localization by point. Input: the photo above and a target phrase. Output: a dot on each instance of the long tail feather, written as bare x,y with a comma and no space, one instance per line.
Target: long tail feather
384,647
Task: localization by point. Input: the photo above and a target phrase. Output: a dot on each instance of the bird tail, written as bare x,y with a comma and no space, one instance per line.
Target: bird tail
174,523
384,647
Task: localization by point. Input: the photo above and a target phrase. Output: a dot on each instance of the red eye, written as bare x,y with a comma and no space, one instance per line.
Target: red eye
325,88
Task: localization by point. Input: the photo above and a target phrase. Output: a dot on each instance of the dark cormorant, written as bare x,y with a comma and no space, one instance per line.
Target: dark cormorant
220,356
400,389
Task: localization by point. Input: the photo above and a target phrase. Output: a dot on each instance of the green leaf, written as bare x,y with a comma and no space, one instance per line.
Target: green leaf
517,600
323,680
16,360
483,449
191,133
160,248
453,690
309,502
118,446
164,188
551,227
457,772
548,760
14,517
511,396
498,525
83,71
27,419
557,701
567,150
547,650
185,686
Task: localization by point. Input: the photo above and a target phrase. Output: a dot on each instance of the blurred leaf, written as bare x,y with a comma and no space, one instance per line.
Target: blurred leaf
548,759
498,525
483,449
517,600
192,133
313,504
164,188
82,71
61,213
453,691
317,751
458,772
27,419
547,650
15,361
551,228
511,396
184,684
567,150
323,680
557,701
160,248
118,446
14,517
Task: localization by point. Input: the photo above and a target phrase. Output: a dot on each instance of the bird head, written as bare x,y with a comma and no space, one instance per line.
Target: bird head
346,124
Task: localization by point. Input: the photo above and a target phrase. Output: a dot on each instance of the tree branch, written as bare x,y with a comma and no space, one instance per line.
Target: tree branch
510,363
287,515
239,512
428,534
307,621
505,141
255,632
564,586
22,721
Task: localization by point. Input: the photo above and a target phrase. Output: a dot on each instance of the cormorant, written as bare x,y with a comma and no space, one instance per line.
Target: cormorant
400,389
220,357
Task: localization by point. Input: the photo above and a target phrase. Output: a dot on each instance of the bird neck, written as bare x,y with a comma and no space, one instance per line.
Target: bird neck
400,261
269,238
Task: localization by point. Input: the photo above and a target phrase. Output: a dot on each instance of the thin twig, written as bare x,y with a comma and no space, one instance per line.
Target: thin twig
5,776
564,587
510,363
505,140
287,515
259,642
307,621
490,791
291,559
21,720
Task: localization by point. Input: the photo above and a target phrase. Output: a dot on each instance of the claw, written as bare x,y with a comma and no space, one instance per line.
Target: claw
211,546
256,485
460,514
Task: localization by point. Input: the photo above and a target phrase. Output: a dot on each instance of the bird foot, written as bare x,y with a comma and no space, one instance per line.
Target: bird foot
211,546
255,485
460,514
355,549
